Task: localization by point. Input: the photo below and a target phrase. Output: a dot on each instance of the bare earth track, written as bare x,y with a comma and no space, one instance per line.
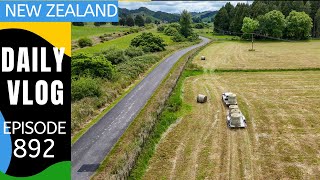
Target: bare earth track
282,140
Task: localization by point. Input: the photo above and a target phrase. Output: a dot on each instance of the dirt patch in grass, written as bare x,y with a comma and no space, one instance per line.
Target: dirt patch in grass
267,55
282,140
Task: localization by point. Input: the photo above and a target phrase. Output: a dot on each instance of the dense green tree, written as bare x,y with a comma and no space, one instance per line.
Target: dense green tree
249,25
157,22
148,20
240,11
221,20
196,19
315,5
139,21
122,21
299,25
185,23
272,24
115,23
78,23
129,21
317,24
259,8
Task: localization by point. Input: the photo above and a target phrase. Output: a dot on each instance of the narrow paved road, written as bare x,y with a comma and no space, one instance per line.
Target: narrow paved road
90,150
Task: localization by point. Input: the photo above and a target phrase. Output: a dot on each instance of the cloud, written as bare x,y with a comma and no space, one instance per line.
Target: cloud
178,6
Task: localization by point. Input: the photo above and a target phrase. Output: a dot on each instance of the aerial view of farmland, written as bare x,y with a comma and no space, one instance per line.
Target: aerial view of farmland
204,90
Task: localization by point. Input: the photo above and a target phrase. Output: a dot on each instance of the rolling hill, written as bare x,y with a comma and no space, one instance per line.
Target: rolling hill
205,16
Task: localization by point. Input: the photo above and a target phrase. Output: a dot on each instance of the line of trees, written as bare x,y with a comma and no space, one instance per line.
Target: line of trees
138,20
278,18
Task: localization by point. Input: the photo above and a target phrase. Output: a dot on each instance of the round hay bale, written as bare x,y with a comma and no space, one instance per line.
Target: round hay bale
235,119
203,58
201,98
234,111
233,107
232,99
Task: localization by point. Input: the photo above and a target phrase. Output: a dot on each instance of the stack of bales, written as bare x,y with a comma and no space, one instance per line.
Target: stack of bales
232,99
235,119
235,115
233,107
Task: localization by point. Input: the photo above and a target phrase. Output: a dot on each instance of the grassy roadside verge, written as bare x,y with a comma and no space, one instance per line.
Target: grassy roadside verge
106,109
125,153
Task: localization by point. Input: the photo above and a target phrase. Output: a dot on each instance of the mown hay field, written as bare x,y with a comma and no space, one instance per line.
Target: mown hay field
282,140
267,55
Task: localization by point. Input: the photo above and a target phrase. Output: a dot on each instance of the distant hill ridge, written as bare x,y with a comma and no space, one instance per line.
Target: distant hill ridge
205,16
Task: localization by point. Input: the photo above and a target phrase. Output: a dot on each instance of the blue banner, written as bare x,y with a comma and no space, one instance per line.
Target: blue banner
59,11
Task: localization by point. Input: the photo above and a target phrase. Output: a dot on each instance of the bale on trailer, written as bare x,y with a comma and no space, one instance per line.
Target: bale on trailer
235,111
235,119
232,99
233,107
203,58
201,98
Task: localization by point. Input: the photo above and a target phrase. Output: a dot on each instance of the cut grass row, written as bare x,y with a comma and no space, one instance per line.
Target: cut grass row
281,113
267,55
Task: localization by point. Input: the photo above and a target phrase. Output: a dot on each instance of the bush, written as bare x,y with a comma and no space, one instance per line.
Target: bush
137,65
178,38
193,37
149,26
114,55
78,23
133,51
83,42
85,87
80,55
134,29
149,42
170,31
177,26
161,28
96,66
199,26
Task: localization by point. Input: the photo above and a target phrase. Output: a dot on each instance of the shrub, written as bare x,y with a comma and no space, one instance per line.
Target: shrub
85,87
170,31
96,66
114,55
78,23
178,38
80,55
199,26
134,29
134,51
83,42
149,26
137,65
161,27
177,26
193,37
149,42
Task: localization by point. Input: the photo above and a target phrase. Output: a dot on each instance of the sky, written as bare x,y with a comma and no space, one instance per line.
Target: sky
178,6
